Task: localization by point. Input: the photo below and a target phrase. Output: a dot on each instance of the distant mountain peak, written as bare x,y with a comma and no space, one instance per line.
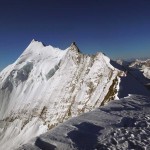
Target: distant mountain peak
33,40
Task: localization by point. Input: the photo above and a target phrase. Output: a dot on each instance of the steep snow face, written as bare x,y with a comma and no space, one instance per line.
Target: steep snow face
20,82
46,86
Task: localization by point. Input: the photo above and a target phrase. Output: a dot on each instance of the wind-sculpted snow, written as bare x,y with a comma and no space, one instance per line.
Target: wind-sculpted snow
46,86
122,124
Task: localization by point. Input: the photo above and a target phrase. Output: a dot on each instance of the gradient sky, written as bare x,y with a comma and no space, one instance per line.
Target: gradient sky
119,28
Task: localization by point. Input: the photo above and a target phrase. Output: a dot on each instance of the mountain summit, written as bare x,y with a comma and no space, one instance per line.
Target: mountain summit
74,47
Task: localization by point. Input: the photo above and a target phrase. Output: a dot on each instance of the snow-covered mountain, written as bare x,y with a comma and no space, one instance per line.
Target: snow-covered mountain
122,62
139,70
46,86
143,65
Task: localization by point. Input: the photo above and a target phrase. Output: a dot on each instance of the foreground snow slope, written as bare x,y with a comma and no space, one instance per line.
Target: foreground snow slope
46,86
122,124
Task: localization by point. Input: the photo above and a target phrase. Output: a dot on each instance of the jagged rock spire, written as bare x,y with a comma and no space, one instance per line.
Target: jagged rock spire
74,47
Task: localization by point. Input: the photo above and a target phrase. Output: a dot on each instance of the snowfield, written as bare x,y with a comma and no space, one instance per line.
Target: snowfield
122,124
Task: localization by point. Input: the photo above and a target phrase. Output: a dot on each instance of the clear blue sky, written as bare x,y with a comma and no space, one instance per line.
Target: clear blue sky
119,28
